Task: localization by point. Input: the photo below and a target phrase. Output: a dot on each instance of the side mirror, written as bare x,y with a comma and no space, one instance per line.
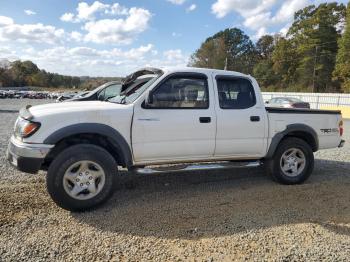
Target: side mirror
149,99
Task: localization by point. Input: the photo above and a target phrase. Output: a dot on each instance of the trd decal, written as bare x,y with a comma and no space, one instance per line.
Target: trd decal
329,130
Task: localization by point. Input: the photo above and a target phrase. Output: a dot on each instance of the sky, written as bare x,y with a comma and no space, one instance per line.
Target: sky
113,38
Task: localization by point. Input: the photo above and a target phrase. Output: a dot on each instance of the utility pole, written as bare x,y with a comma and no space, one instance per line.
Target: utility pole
314,74
226,59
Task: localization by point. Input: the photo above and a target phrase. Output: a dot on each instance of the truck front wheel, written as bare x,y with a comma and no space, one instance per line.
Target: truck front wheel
292,163
81,177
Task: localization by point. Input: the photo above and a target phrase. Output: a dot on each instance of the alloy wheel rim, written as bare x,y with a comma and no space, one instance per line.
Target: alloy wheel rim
293,162
84,180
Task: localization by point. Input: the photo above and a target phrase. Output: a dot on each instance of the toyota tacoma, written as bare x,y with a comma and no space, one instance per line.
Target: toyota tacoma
180,116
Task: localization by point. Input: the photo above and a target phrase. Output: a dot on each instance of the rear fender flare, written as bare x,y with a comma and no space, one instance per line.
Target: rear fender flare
290,129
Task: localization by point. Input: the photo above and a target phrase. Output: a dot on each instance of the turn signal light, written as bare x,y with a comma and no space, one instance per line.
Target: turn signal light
29,129
341,129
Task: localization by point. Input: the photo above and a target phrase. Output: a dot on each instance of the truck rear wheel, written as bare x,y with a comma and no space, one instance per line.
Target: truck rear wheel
292,163
81,177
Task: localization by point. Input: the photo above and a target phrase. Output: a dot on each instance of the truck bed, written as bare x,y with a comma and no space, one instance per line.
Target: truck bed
325,123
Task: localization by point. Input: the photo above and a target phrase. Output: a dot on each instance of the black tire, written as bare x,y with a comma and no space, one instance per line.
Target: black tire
68,157
273,166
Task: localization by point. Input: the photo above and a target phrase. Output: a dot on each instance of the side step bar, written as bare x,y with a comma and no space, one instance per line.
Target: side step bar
195,167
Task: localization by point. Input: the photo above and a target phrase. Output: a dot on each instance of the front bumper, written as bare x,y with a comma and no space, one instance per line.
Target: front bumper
341,144
27,157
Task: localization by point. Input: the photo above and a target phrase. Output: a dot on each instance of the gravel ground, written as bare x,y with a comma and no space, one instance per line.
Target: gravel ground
236,214
16,104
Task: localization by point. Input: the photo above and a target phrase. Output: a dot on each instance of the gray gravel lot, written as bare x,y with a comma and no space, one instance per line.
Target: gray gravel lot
236,214
16,104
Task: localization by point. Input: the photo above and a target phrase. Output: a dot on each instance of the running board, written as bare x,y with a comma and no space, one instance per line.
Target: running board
196,167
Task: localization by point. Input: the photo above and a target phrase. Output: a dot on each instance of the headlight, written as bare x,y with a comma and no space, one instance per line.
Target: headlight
25,128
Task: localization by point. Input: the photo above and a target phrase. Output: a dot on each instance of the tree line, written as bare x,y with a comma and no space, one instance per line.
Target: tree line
314,55
26,73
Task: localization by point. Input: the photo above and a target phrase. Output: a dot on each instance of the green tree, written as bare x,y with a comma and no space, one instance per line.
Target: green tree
231,44
265,46
284,62
21,72
314,34
263,69
5,77
211,54
342,68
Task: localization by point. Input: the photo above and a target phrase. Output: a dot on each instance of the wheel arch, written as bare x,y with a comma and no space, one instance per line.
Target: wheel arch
93,133
302,131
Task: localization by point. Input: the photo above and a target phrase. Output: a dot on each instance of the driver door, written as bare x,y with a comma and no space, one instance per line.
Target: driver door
179,125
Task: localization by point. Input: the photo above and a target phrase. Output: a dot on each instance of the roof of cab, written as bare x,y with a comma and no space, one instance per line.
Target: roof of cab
201,70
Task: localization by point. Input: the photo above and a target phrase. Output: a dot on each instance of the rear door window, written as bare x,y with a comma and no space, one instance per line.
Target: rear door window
235,92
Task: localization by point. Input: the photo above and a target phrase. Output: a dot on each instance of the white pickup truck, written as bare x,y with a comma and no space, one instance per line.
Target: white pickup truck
186,115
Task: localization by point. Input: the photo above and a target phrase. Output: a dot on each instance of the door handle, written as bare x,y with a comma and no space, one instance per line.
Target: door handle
255,118
204,119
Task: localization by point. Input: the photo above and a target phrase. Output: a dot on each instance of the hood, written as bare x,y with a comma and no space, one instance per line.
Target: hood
74,107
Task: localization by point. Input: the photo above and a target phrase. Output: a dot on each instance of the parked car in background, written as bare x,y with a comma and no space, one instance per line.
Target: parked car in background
111,89
287,102
65,96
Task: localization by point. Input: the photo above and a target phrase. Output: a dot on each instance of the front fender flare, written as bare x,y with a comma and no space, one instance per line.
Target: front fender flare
110,133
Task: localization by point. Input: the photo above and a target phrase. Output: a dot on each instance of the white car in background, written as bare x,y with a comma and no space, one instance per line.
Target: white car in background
287,102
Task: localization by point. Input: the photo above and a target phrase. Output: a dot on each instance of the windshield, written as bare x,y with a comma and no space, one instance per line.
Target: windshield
131,94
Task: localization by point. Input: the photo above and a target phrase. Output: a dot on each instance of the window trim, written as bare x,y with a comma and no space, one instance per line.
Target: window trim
193,75
227,77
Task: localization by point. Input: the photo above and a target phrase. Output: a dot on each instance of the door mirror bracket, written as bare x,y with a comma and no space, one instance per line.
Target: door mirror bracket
149,99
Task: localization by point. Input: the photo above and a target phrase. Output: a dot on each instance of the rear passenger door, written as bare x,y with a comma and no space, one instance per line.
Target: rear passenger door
240,119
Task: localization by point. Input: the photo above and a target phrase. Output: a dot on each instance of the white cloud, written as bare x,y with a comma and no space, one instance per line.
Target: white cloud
284,30
118,31
287,10
245,8
261,31
84,60
117,9
4,21
257,14
29,12
67,17
76,36
83,51
10,31
255,22
87,12
6,51
173,54
177,2
191,8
